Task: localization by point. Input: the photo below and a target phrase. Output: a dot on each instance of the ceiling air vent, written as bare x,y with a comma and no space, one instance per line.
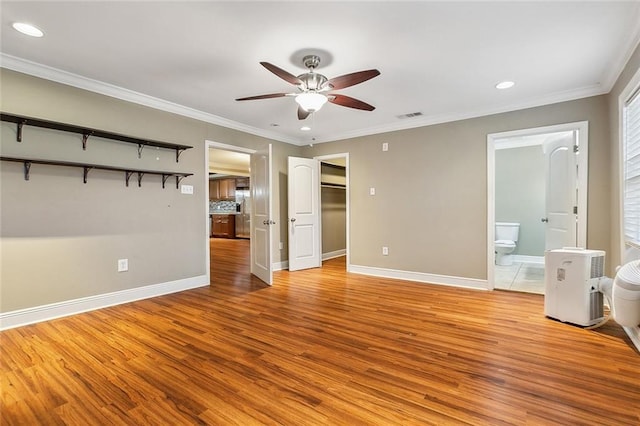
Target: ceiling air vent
410,115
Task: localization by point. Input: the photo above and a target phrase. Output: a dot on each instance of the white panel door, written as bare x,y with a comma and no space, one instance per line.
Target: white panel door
261,215
561,191
304,213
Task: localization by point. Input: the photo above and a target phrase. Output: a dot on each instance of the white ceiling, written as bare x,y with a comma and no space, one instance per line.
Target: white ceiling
442,59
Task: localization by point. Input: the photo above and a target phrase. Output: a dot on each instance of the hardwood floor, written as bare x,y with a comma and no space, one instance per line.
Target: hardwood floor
319,347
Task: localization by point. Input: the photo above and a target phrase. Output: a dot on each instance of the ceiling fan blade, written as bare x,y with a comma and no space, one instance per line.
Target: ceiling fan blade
350,102
269,96
302,113
282,73
352,79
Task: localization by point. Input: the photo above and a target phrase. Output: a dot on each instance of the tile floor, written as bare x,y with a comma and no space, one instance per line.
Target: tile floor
526,277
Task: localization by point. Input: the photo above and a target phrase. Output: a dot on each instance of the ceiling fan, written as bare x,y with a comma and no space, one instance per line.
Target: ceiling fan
313,87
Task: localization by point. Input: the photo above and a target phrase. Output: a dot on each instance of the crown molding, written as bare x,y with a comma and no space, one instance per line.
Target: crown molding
430,120
53,74
615,69
74,80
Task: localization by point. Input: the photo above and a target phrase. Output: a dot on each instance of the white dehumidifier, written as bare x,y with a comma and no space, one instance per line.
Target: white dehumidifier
571,281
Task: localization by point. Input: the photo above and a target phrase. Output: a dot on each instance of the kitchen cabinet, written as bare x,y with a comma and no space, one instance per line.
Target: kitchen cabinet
223,225
242,182
222,189
228,189
214,189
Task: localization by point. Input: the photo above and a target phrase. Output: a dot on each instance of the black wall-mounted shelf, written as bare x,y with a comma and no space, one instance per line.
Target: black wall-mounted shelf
128,172
86,132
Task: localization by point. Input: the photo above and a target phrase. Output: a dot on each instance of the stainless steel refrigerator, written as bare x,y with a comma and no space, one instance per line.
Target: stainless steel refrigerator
243,218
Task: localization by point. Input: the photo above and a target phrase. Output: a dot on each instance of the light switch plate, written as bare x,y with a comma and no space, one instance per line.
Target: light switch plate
372,191
123,265
186,189
385,146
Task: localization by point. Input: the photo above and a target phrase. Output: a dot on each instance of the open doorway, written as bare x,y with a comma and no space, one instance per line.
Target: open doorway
228,206
536,201
334,200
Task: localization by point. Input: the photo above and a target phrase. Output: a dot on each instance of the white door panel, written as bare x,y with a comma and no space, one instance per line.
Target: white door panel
304,213
561,192
261,215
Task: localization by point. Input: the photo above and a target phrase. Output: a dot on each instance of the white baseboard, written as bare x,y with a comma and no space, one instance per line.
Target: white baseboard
422,277
528,259
71,307
334,254
279,266
634,335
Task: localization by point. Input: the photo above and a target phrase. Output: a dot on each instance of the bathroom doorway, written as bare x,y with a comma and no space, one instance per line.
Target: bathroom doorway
537,180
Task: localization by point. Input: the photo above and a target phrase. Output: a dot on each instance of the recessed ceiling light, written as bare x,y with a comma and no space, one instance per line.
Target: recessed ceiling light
27,29
505,85
305,128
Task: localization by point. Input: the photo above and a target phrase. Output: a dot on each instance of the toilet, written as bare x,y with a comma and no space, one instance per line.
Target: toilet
505,244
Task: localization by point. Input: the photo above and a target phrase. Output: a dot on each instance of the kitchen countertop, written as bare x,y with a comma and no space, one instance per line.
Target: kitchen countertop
223,213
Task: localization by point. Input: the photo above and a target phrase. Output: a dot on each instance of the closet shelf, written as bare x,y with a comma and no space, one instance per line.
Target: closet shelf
86,132
333,185
128,172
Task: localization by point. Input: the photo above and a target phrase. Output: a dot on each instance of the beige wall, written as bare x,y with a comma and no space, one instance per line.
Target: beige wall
430,206
60,238
614,258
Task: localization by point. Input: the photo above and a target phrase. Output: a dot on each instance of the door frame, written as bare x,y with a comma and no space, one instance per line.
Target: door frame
212,144
582,135
344,155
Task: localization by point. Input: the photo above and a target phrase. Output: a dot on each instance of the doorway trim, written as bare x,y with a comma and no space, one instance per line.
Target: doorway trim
582,136
344,155
212,144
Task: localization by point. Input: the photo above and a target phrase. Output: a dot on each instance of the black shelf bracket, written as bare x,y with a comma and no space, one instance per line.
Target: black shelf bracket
127,176
85,137
140,174
178,152
86,132
27,168
85,174
164,179
21,124
178,180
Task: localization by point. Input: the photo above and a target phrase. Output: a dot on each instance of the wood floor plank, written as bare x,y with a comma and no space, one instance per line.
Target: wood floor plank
321,346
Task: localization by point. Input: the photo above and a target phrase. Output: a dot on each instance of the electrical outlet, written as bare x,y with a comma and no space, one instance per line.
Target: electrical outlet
123,265
372,191
385,251
186,189
385,146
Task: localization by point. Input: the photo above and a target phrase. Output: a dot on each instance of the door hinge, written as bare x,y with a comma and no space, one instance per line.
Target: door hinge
575,209
576,149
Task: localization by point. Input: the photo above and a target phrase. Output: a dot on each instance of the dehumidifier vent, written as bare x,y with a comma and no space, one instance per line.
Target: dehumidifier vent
596,307
597,266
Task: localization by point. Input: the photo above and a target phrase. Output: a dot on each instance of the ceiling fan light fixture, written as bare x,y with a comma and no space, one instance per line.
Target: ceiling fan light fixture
311,101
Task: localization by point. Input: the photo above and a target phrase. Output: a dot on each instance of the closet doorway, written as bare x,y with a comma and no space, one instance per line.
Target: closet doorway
334,202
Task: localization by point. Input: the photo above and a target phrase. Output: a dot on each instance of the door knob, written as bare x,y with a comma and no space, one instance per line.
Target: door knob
293,219
544,219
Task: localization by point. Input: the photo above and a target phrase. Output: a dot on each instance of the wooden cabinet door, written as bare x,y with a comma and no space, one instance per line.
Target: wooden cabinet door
224,226
228,188
214,189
